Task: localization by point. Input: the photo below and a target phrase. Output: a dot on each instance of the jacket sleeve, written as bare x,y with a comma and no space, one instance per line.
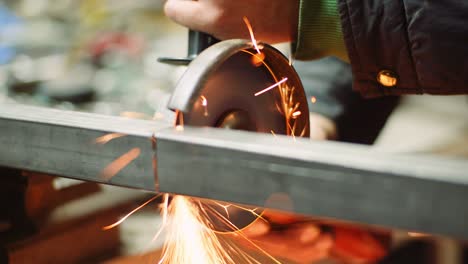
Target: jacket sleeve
406,46
319,31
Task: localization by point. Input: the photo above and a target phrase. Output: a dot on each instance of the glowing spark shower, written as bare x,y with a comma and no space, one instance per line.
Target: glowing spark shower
289,108
190,240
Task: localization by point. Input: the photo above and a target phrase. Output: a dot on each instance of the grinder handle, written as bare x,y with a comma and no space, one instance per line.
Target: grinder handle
198,41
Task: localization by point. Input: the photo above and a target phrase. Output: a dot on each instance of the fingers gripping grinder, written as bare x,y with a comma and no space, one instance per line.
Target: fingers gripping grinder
225,86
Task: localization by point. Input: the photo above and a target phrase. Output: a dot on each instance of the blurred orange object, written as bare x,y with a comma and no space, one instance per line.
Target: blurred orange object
357,245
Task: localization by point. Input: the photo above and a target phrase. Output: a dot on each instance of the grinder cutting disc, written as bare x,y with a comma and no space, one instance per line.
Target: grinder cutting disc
219,89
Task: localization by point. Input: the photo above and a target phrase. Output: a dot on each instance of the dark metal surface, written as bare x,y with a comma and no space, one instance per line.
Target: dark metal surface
325,179
63,143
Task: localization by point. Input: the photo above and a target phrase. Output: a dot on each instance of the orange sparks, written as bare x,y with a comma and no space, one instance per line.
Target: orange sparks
237,233
287,104
225,207
416,234
164,211
271,87
296,114
108,137
252,36
290,109
179,121
190,240
313,99
292,131
204,103
258,59
250,210
121,162
129,214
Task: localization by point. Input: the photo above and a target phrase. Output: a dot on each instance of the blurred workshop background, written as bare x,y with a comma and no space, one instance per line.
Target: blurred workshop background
91,55
100,56
94,56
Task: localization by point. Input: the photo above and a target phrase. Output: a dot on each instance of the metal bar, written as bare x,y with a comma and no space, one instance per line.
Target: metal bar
325,179
63,143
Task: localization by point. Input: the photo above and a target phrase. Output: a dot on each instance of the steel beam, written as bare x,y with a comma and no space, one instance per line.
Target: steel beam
63,143
326,179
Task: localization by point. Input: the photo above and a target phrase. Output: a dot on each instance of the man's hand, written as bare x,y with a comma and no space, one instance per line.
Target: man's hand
273,21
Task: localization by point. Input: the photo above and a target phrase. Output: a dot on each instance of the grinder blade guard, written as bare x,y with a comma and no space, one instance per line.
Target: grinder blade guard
218,90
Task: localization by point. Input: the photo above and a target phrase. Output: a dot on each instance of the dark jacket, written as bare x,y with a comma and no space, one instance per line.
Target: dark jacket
329,80
422,43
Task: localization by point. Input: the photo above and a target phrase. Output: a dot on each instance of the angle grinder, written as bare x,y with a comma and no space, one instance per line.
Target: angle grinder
231,84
